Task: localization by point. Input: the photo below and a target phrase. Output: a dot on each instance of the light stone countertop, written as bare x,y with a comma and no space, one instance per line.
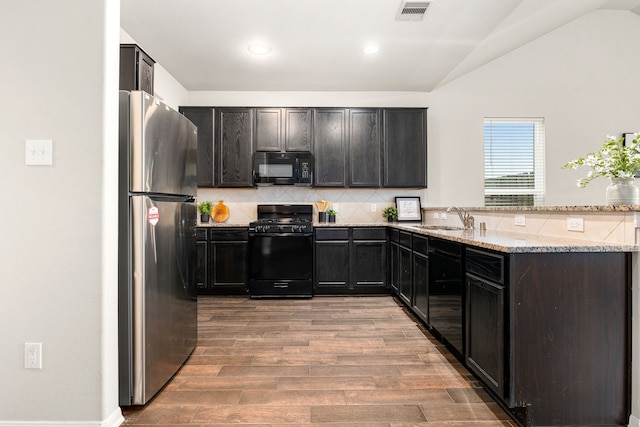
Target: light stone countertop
503,241
500,241
519,242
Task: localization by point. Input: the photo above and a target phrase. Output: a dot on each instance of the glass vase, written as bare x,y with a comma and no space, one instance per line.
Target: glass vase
622,191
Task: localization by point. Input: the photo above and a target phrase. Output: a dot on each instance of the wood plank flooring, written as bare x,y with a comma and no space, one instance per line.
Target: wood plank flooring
326,361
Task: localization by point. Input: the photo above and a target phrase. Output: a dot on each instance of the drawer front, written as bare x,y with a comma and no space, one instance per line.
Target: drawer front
282,289
369,233
201,234
394,235
405,239
332,233
420,244
446,246
229,233
485,264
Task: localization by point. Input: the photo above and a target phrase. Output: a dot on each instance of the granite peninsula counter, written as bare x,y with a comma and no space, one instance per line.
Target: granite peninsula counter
503,241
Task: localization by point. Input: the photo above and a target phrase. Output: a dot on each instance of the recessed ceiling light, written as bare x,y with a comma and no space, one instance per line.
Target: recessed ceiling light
259,49
371,49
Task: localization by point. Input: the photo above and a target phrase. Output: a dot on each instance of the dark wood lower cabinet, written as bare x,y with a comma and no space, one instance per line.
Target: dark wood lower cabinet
405,258
393,274
368,258
569,339
202,257
548,334
420,277
222,260
485,332
350,260
331,275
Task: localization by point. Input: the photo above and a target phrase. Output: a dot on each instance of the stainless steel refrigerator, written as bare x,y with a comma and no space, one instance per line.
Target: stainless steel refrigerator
157,297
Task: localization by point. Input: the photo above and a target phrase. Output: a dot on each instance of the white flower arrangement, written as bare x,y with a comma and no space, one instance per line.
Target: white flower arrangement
614,160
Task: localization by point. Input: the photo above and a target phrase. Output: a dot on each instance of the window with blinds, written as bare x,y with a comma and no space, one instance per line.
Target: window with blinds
513,161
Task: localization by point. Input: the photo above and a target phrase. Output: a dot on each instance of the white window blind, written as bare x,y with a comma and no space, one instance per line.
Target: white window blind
513,161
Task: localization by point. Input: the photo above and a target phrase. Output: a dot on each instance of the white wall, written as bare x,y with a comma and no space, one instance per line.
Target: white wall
58,281
309,99
582,78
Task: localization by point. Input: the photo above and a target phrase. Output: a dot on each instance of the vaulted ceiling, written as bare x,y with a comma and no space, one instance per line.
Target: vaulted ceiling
317,45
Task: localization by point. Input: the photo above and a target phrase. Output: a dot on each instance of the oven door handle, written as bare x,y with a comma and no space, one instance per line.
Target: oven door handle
280,285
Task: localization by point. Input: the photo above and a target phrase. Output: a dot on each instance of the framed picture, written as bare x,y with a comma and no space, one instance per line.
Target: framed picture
409,208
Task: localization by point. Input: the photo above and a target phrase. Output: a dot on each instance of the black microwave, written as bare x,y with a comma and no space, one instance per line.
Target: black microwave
283,168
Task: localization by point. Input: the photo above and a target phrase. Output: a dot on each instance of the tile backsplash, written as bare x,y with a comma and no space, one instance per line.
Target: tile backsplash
352,205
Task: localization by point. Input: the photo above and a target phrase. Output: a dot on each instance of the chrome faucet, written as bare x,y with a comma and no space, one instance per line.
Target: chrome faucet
467,220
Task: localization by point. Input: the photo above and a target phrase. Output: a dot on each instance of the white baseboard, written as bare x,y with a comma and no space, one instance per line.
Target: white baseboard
634,421
114,420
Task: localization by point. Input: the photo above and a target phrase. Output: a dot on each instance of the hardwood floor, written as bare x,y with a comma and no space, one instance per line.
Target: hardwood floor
326,361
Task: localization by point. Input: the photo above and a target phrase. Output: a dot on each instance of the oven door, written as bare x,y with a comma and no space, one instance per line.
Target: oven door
280,265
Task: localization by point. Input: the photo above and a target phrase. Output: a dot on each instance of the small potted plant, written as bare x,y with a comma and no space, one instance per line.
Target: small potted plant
205,211
332,215
391,213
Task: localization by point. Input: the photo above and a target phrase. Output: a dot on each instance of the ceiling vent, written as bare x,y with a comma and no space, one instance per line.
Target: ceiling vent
412,10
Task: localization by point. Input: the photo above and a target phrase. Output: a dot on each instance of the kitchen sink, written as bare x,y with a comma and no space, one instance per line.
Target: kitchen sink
439,227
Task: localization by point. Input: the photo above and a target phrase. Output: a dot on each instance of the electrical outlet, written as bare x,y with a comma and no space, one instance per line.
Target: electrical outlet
373,207
575,224
520,221
443,215
38,152
336,207
435,215
33,355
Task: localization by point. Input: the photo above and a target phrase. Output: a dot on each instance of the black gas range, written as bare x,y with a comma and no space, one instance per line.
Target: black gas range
283,219
281,252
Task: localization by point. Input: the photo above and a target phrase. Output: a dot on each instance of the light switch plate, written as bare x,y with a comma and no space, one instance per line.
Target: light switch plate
520,220
38,152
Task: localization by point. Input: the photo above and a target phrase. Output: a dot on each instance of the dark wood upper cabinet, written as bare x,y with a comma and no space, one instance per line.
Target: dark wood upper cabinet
329,146
136,69
352,147
364,147
234,147
202,117
297,129
268,132
405,147
283,129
